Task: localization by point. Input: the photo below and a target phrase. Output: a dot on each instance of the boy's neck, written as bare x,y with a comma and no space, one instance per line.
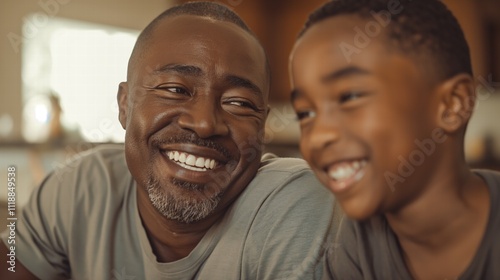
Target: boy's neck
445,224
450,204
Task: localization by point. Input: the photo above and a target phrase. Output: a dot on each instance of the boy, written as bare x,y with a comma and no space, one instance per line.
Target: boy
383,91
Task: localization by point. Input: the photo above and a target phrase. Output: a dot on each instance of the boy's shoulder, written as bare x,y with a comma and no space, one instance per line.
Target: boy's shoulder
485,262
491,177
371,248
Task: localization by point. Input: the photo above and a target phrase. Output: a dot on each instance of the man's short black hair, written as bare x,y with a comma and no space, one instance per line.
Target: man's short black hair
420,27
210,10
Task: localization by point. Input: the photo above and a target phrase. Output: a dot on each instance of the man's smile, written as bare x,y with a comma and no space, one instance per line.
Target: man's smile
192,162
199,163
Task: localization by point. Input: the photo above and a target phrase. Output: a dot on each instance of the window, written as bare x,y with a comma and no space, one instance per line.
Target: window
79,66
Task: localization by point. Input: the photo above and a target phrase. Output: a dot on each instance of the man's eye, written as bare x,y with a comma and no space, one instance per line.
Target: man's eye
173,89
303,115
349,96
176,90
241,103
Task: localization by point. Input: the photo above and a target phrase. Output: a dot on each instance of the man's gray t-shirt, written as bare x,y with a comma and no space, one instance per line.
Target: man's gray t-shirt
370,250
82,222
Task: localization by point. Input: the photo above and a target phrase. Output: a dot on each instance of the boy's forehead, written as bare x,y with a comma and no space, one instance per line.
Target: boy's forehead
333,44
344,33
322,53
350,39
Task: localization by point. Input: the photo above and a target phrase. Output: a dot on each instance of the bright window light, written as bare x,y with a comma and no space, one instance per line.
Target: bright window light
82,64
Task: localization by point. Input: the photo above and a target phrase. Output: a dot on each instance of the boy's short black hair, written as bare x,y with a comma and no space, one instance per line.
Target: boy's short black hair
421,27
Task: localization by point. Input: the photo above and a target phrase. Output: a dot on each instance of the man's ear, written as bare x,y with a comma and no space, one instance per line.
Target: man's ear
456,102
122,98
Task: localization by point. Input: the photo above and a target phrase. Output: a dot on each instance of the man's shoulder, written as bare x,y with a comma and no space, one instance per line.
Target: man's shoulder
101,170
100,157
273,164
287,179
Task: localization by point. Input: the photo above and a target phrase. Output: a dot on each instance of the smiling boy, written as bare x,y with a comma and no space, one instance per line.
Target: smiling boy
384,91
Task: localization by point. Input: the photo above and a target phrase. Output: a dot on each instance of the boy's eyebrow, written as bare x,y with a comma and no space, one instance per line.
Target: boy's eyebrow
335,75
348,71
180,69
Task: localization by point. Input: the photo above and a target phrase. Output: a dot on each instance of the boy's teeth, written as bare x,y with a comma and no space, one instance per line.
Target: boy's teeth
346,170
191,162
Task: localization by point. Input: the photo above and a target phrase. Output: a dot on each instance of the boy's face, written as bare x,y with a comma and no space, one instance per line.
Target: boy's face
361,115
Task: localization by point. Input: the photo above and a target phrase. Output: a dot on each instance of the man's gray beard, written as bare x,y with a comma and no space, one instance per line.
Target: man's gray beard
184,210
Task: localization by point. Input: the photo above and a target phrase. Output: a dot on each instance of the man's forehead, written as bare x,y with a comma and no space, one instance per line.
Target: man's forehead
199,41
188,25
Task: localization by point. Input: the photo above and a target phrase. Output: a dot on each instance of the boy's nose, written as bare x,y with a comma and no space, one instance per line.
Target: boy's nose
325,132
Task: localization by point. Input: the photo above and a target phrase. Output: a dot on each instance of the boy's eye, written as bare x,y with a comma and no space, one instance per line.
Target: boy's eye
348,96
303,115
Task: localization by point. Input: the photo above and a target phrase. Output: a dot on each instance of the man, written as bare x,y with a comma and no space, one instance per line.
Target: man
383,126
189,197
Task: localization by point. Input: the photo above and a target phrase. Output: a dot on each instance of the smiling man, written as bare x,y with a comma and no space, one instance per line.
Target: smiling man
188,197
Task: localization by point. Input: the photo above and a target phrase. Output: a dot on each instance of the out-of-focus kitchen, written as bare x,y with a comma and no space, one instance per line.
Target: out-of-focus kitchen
62,60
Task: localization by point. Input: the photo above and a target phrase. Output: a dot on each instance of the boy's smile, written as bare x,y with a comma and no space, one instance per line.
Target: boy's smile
359,115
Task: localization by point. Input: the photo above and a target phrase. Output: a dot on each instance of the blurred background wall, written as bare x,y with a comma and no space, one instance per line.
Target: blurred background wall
23,24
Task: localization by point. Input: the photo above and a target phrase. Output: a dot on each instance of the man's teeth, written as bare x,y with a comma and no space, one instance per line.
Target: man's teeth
192,162
346,170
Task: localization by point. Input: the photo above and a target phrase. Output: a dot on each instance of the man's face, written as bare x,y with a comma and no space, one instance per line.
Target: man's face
194,113
360,119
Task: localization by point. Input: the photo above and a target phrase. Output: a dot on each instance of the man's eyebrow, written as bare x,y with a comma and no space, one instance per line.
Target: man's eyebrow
344,72
236,81
189,70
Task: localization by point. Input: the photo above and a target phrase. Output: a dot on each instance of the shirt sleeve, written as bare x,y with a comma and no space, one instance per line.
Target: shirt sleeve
41,229
341,259
290,237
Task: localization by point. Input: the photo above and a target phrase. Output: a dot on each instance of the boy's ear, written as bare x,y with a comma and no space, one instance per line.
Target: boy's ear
122,98
456,102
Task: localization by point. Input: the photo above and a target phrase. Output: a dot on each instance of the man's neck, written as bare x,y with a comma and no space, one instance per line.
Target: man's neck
169,239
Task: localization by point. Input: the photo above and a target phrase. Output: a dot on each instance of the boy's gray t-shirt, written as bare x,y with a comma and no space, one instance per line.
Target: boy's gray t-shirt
370,250
83,223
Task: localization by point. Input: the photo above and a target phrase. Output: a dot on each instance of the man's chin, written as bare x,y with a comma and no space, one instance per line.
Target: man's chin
187,206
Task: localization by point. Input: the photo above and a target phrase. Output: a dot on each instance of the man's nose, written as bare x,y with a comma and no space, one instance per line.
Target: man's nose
204,117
